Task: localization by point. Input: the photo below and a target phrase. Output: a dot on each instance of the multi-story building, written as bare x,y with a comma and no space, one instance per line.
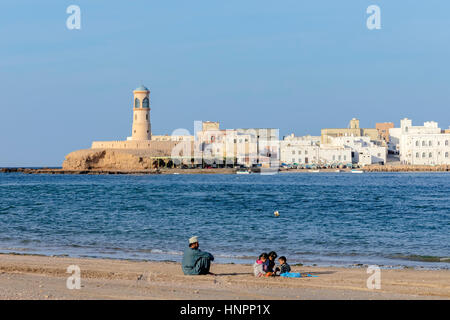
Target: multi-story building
267,145
363,150
307,150
421,145
245,147
353,130
427,149
383,130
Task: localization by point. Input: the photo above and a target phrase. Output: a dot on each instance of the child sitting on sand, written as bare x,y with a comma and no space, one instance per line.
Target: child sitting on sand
284,265
270,262
259,267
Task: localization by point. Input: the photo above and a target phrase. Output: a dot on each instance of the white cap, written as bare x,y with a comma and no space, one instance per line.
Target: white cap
193,240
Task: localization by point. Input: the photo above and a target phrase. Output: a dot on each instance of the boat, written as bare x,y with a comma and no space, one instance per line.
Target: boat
314,171
357,171
242,172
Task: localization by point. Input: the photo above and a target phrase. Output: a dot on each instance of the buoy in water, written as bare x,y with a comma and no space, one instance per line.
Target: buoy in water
276,213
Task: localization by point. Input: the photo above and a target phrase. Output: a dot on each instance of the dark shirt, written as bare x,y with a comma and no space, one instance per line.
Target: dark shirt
285,268
268,265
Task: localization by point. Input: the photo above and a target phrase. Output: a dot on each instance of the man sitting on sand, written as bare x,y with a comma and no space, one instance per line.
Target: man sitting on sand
195,261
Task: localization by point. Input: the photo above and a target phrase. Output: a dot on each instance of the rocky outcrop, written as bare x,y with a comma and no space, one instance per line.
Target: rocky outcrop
108,159
405,168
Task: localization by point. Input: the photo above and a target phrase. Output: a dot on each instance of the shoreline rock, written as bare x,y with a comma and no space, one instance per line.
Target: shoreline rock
406,168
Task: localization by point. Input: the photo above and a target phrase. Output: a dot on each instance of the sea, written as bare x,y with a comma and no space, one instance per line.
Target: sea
393,220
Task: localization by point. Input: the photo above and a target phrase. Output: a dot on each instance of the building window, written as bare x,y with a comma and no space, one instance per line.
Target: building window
423,155
345,157
417,155
417,143
446,154
137,103
423,143
145,103
146,117
429,143
430,155
446,142
306,152
293,152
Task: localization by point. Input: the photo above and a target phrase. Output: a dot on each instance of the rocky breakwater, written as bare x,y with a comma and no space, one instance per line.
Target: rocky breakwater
406,168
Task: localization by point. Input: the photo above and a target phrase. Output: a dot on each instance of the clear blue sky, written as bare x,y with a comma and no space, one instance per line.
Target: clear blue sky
294,65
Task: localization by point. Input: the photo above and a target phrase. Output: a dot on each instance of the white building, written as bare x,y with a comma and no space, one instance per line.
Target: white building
363,150
397,136
308,151
246,147
335,154
430,149
422,145
394,140
307,140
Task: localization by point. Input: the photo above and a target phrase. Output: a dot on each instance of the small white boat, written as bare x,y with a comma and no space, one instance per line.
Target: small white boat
242,172
314,171
357,171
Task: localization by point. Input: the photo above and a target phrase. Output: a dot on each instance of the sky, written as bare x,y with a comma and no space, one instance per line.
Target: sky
294,65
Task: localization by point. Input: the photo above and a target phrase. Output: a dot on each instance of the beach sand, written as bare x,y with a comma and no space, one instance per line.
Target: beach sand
40,277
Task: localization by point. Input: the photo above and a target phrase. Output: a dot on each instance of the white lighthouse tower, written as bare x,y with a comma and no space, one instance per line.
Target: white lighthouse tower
141,114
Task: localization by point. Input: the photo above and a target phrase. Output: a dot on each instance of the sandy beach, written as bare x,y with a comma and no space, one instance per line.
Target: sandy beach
40,277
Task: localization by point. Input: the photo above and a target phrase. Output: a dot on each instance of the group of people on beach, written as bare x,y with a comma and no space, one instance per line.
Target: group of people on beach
197,262
265,265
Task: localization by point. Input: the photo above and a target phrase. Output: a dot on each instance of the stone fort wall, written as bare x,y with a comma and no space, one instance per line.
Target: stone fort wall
156,148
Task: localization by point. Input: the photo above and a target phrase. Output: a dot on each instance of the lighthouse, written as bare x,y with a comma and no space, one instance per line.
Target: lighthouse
141,129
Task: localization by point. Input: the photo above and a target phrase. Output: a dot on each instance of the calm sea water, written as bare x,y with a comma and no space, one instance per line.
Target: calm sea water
389,219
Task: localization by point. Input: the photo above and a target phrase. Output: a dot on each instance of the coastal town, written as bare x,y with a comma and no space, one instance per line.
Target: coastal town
213,147
385,147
